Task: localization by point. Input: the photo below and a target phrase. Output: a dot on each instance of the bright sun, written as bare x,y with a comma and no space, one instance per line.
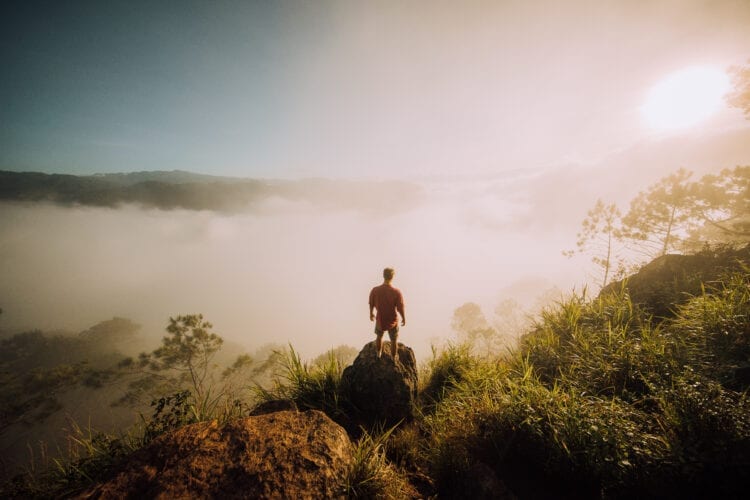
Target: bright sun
685,98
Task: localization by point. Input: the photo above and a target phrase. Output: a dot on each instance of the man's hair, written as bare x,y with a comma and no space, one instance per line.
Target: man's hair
388,273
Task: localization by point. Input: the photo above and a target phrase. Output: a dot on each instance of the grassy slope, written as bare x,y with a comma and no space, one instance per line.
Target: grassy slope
599,400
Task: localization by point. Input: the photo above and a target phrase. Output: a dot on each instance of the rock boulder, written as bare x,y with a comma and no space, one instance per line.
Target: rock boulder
286,454
381,390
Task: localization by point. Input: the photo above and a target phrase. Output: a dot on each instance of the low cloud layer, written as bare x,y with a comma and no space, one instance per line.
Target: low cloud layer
296,265
285,273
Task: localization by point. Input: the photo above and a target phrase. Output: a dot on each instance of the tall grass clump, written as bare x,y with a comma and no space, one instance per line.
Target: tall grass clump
715,330
90,455
371,475
86,459
604,347
316,386
527,432
599,400
447,368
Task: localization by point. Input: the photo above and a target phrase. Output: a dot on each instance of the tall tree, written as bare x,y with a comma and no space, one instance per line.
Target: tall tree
660,217
600,232
184,360
471,325
511,320
189,349
722,203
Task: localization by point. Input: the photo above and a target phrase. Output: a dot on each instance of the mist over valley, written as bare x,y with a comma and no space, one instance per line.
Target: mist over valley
197,201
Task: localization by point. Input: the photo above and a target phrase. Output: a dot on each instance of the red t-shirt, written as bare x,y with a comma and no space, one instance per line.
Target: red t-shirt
387,300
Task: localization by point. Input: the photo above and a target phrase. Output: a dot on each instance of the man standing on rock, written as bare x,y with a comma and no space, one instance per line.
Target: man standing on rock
387,300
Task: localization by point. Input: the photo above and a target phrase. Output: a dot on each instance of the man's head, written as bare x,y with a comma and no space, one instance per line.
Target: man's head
388,273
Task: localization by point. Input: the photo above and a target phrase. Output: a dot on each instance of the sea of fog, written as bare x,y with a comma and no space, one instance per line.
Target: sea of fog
285,273
300,272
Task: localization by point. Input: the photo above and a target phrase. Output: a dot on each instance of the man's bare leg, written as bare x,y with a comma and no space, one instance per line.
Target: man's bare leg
394,345
379,344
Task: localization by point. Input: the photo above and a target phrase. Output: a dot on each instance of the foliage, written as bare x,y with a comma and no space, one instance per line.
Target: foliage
446,369
189,349
184,361
661,215
721,202
170,412
601,232
473,329
510,320
112,332
599,400
714,328
672,215
672,280
740,97
344,355
88,458
316,386
371,475
36,368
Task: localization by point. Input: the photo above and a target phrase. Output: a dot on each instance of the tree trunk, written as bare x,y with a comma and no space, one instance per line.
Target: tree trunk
669,231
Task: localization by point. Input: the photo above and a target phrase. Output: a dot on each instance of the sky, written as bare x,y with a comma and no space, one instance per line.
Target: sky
505,120
510,117
347,89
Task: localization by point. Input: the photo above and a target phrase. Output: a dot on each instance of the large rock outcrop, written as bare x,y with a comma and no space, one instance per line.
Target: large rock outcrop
381,390
285,454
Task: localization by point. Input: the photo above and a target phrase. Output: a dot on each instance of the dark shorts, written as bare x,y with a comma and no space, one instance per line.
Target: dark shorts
392,333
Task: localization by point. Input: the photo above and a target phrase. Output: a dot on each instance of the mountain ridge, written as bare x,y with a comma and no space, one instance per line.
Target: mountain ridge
178,189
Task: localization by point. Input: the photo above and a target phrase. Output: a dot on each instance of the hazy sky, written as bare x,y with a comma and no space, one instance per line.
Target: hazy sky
346,89
511,117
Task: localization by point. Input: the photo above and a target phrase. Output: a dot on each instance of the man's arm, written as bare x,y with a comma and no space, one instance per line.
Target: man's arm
372,306
400,309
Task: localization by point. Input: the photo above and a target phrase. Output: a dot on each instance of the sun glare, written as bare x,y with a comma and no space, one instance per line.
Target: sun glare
685,98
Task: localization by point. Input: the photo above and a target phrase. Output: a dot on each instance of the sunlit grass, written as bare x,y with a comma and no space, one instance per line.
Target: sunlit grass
371,474
316,386
598,399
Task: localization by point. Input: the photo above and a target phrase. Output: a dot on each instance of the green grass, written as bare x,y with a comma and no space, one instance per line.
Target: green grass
310,386
371,474
599,400
86,459
89,455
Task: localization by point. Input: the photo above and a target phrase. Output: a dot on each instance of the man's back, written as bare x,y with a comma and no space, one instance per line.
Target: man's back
387,300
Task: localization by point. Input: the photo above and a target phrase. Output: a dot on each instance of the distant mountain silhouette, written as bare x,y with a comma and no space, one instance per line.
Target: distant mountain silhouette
168,177
185,190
